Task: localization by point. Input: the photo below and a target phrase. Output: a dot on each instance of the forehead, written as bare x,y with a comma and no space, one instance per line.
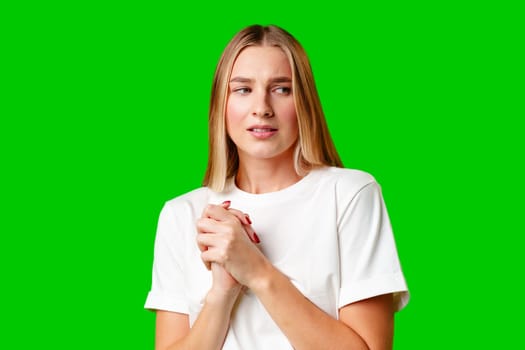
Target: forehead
256,61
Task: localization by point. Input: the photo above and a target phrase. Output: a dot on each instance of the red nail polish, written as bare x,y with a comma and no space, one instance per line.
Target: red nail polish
248,219
256,238
226,203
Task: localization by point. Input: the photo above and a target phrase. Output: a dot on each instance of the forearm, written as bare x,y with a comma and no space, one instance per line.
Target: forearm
304,324
211,326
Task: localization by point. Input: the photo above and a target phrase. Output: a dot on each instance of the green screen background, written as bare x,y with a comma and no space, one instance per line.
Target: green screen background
103,118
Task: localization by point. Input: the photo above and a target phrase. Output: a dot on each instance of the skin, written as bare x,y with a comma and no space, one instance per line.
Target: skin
260,94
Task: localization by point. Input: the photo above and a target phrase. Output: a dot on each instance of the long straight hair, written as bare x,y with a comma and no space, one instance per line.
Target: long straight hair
315,147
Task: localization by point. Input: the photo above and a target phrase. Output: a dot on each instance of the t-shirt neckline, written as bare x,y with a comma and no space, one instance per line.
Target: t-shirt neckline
294,189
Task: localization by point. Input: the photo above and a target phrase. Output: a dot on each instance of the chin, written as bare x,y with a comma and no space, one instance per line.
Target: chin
269,154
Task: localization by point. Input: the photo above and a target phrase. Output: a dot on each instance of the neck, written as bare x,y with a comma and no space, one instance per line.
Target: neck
265,175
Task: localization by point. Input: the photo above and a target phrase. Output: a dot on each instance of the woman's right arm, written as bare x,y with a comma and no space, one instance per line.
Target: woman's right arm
173,330
170,327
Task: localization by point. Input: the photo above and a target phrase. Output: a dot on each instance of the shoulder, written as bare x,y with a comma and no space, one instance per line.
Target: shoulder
348,184
195,196
345,174
190,204
346,180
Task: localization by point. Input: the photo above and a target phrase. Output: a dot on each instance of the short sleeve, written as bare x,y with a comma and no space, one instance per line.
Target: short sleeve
167,290
369,260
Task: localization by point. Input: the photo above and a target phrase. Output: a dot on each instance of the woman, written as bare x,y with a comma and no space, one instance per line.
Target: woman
282,248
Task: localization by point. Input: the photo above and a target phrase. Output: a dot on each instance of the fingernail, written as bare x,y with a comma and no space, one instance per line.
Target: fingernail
248,219
226,203
256,238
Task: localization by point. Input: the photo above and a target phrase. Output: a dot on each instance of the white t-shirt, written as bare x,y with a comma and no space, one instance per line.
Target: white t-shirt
329,233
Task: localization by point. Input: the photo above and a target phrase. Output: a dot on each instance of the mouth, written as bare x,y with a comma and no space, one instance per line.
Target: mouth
262,131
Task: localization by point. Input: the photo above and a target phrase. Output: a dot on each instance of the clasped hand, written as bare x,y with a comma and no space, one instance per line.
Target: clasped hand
228,245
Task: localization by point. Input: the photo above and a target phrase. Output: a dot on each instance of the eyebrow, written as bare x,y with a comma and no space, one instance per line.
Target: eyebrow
272,80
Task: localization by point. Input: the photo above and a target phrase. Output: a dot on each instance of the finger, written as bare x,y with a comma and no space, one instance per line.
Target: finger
246,224
243,218
207,264
251,234
225,205
213,255
208,258
216,228
205,226
203,247
207,240
217,212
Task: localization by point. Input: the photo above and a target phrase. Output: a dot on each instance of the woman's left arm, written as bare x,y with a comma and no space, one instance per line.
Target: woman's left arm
366,324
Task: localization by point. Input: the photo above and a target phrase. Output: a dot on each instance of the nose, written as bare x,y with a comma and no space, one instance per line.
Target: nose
262,107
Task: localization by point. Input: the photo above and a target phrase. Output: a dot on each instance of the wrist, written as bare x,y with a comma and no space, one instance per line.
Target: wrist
264,279
226,297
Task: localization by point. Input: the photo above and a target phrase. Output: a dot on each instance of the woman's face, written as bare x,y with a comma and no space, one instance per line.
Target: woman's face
260,115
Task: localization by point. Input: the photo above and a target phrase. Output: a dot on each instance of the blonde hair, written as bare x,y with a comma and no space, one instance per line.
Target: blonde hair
315,147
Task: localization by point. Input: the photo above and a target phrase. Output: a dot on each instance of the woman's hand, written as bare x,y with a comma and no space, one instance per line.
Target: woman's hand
227,239
224,285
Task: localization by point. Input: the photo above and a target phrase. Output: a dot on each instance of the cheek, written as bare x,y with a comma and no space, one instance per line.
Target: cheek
289,115
234,112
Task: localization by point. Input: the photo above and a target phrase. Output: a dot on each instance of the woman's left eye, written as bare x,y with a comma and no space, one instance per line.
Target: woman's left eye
284,90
